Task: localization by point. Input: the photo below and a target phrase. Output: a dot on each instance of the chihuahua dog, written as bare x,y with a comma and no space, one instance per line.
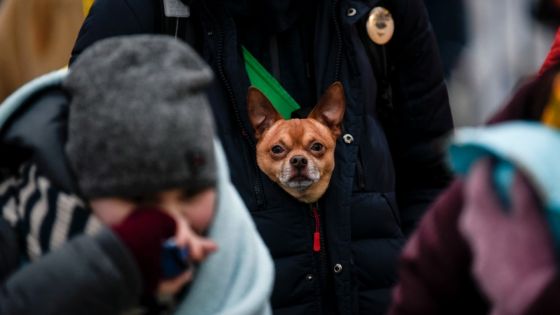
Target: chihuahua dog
298,154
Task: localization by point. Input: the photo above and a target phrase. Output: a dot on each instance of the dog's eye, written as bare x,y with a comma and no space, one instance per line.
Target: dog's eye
317,147
277,149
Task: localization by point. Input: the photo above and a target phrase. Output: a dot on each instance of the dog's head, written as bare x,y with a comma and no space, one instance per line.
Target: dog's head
298,154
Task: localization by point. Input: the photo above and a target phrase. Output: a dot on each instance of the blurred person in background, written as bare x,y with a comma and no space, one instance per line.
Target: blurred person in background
36,37
476,252
56,257
506,44
547,12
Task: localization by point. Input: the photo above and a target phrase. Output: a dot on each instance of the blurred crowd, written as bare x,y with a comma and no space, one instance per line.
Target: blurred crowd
36,37
129,181
488,48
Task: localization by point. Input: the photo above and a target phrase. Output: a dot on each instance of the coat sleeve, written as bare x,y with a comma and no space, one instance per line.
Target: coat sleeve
89,275
434,271
109,18
422,114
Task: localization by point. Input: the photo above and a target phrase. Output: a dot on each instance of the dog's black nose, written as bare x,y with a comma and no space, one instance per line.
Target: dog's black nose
298,161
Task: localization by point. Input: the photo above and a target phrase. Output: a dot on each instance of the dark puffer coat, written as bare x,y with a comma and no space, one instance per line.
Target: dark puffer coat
369,207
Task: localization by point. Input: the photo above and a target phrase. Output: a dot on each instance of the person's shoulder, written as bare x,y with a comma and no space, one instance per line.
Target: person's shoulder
110,18
144,12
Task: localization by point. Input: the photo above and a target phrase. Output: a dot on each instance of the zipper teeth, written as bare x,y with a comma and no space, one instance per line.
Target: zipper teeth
317,219
222,75
322,253
338,62
259,186
229,89
317,235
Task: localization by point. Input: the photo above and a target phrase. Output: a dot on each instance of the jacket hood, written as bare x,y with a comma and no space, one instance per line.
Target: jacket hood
33,128
527,147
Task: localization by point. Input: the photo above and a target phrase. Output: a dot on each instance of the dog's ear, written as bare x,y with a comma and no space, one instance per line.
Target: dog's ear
261,112
330,109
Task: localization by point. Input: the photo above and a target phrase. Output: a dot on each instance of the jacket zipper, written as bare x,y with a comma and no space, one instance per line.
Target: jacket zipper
318,237
319,249
258,187
338,63
317,233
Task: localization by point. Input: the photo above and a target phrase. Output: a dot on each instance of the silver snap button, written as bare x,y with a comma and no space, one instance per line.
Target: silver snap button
309,277
351,12
337,268
348,138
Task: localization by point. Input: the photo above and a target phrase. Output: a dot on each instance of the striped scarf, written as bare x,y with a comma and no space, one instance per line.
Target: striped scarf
43,216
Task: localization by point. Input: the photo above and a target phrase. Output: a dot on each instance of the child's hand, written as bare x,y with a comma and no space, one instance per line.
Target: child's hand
199,247
173,286
192,215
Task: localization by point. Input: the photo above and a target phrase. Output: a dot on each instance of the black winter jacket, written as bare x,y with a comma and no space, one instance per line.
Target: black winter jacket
377,192
58,284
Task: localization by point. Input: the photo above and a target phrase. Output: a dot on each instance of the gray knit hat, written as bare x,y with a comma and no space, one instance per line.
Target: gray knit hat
139,119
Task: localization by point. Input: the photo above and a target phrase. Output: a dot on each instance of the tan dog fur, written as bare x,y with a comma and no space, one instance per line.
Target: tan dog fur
298,154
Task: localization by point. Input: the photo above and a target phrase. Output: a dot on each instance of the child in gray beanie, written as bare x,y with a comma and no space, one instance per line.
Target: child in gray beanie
140,143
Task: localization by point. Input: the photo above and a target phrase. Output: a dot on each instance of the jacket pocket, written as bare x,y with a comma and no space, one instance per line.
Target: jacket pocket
390,199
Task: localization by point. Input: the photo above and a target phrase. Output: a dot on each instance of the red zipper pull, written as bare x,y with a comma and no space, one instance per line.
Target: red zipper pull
317,234
316,242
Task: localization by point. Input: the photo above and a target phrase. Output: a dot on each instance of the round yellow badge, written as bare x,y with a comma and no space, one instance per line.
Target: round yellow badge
380,25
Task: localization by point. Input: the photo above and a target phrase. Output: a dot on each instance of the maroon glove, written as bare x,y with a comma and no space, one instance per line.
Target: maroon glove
513,258
143,232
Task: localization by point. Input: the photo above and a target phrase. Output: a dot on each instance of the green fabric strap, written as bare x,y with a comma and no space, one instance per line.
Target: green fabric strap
269,86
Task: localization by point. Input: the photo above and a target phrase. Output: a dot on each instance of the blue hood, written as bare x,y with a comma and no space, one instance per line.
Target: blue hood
531,148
